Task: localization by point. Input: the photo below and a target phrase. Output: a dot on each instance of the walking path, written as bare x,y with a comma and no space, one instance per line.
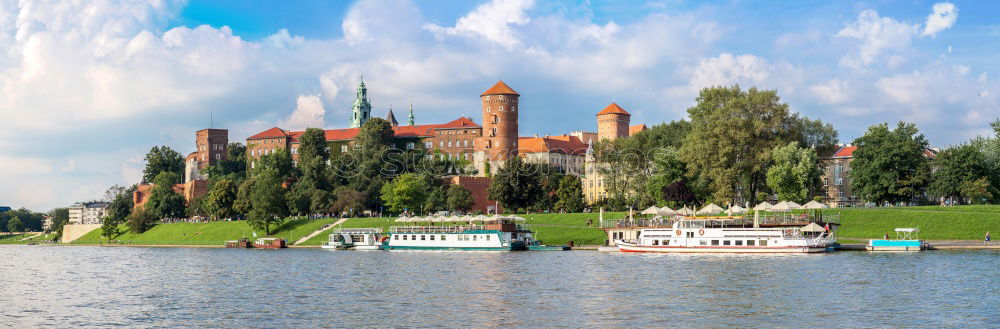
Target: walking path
317,232
30,237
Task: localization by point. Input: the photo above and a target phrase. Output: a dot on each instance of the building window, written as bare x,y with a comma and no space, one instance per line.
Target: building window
449,144
496,119
343,148
493,133
840,181
409,146
501,109
465,143
441,144
428,145
218,156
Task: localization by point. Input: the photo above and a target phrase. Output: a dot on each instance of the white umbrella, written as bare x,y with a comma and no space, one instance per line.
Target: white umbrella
685,211
518,218
457,219
652,210
814,205
737,210
763,206
710,209
402,219
786,206
665,211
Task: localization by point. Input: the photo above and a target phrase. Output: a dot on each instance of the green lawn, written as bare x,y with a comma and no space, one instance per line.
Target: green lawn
212,233
934,222
7,238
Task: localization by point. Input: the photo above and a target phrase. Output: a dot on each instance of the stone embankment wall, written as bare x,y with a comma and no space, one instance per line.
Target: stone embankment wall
75,231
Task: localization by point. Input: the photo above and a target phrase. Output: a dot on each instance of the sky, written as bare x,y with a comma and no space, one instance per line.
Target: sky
87,87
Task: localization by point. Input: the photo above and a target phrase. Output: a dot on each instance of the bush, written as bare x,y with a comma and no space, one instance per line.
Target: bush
140,221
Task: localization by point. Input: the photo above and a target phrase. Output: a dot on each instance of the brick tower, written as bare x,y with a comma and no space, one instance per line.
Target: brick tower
612,122
213,146
499,141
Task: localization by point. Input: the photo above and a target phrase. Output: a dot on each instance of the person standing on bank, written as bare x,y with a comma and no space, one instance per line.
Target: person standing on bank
987,239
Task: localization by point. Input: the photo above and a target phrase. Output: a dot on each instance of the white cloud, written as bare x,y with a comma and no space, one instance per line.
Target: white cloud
727,69
309,113
910,88
832,92
878,35
942,18
491,21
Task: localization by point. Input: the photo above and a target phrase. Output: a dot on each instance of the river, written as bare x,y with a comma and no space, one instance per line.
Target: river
45,286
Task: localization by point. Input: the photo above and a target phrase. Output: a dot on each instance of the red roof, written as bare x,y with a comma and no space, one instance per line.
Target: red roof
500,89
270,133
613,109
632,130
845,152
555,144
350,133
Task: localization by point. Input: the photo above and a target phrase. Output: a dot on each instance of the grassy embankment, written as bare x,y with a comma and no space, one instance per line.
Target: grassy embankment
935,223
213,233
16,238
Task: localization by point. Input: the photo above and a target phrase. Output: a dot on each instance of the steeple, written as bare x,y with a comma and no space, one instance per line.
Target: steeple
361,110
391,118
412,120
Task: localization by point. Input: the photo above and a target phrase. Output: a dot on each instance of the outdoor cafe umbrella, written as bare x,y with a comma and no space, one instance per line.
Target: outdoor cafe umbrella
814,205
710,209
665,211
402,220
785,206
685,211
737,210
763,206
813,227
652,210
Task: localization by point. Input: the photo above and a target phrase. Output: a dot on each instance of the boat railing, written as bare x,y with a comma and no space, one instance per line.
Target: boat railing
357,231
434,229
722,221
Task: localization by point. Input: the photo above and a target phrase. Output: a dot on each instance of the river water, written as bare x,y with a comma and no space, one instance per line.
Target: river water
44,286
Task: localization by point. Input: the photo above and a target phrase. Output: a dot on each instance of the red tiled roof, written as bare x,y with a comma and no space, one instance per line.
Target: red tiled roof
399,131
613,109
500,89
270,133
632,130
845,152
555,144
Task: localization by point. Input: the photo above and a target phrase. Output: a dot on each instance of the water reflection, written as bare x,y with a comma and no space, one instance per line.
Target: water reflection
166,287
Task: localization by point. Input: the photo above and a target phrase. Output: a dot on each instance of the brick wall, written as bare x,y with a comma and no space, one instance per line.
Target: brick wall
478,186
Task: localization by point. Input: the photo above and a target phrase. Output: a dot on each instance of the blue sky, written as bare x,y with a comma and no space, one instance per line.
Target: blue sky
89,87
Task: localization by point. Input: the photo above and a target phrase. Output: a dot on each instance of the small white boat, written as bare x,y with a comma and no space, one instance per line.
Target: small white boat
694,236
495,234
906,240
355,239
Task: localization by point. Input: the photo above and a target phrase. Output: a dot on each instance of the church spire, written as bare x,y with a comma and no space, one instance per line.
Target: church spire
361,110
391,118
411,121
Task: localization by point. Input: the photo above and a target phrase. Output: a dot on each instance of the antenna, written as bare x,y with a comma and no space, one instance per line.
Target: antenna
211,118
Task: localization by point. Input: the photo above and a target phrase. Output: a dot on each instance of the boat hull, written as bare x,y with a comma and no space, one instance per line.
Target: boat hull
623,247
428,248
895,245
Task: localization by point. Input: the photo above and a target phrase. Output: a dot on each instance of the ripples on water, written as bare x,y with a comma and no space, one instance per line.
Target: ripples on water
175,287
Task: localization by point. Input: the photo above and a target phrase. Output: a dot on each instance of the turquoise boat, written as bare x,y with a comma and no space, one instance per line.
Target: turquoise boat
491,234
906,240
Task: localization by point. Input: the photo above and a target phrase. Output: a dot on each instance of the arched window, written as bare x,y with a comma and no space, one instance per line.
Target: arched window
494,132
449,144
496,119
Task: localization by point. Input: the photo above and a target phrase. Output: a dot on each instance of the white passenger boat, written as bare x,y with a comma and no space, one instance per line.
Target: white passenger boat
499,234
696,236
355,239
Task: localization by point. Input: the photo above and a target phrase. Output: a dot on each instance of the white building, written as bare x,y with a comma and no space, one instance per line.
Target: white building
88,212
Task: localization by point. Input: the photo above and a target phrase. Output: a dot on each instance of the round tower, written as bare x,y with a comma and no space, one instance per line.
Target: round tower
612,122
499,141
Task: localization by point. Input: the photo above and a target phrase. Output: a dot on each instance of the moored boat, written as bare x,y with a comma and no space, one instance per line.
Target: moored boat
696,236
499,234
270,243
906,240
355,239
241,243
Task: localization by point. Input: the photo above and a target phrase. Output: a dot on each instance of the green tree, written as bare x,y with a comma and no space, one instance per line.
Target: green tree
267,200
140,220
733,133
459,198
819,136
794,172
516,185
15,225
243,204
280,162
220,202
109,228
976,191
889,164
163,201
313,155
405,192
570,194
60,216
118,210
234,167
348,200
989,146
678,194
437,200
958,168
163,159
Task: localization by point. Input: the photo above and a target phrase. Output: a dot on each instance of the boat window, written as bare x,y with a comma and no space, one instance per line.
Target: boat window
432,238
715,242
703,242
656,242
751,242
690,234
404,237
487,238
423,237
413,237
666,242
763,243
725,242
739,242
442,237
474,237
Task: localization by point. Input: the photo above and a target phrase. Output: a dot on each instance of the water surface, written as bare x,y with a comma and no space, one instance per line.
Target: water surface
45,286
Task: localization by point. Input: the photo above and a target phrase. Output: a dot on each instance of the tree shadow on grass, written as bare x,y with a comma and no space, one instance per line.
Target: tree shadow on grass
288,226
